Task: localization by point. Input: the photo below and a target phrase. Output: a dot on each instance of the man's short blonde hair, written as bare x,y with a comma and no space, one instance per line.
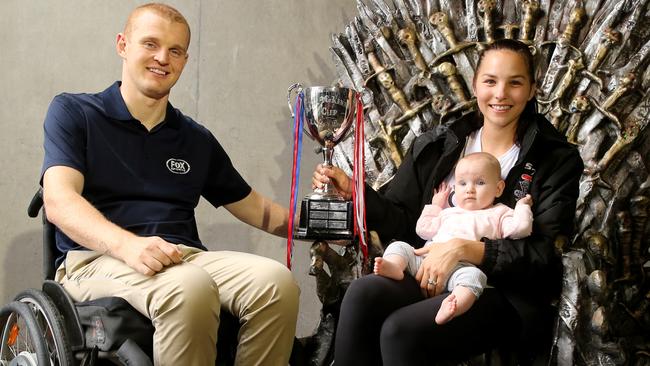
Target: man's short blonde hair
163,10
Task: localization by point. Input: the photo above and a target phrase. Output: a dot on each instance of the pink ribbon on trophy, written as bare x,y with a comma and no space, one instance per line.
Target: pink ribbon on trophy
359,181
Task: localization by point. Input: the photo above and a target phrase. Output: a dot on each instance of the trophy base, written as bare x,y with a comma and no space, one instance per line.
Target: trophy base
325,219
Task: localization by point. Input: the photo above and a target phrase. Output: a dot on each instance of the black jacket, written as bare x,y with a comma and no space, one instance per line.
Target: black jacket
528,271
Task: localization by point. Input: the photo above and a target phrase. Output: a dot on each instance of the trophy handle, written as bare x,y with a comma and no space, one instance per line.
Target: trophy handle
291,88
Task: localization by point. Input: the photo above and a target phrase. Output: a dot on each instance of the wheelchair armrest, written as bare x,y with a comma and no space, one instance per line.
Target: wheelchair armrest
64,303
50,252
36,203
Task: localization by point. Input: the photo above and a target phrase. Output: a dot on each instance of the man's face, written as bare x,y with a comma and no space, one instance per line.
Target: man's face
154,52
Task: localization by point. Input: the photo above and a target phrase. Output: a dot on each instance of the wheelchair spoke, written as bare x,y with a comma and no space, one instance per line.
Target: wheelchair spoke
17,340
46,329
48,325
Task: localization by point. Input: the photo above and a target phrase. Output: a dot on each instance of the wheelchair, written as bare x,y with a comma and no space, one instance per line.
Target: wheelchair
43,327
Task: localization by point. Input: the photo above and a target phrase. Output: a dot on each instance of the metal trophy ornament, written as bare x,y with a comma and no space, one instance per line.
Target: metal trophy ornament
326,115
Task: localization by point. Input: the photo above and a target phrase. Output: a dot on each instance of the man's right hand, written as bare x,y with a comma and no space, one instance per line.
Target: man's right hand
148,255
332,175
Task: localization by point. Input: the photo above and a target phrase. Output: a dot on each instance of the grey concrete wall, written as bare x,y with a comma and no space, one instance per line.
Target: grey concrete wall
244,54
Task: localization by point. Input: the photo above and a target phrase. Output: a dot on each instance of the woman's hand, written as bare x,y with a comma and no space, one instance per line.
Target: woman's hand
440,261
332,175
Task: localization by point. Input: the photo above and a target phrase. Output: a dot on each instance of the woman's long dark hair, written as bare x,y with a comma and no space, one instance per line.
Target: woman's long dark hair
522,49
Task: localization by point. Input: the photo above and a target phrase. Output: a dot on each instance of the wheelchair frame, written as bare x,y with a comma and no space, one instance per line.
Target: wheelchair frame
42,327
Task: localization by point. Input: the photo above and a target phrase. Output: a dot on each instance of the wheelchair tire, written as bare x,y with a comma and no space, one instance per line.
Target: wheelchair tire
50,322
22,340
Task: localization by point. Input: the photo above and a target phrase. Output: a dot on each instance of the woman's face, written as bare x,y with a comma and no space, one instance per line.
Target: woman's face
502,87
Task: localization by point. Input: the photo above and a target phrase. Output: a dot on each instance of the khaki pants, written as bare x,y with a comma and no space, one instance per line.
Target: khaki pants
184,302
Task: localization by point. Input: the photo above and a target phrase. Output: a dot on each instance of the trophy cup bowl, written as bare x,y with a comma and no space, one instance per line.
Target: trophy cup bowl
329,114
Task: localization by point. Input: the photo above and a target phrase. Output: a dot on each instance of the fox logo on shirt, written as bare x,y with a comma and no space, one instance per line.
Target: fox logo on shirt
178,166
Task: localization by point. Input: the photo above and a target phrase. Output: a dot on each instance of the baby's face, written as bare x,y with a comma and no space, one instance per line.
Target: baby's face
476,186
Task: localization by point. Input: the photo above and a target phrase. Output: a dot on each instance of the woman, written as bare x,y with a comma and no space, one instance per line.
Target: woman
389,321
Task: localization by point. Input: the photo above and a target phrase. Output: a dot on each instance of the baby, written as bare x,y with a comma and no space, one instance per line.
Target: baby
477,183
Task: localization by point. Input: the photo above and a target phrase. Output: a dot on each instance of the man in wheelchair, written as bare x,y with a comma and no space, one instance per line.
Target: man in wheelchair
122,174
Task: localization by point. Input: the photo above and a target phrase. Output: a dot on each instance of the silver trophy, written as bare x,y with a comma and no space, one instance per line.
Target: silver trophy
328,115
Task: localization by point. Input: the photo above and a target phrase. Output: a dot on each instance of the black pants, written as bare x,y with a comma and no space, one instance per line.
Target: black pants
389,322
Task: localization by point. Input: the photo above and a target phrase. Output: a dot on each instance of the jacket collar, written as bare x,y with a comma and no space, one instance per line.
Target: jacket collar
528,139
540,131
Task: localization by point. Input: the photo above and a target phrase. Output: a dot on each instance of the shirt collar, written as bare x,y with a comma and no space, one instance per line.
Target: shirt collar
115,108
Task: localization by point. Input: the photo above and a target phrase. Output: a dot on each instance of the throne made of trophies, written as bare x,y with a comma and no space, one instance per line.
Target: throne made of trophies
413,62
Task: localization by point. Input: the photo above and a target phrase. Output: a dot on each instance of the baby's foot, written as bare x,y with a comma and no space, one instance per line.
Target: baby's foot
447,310
386,268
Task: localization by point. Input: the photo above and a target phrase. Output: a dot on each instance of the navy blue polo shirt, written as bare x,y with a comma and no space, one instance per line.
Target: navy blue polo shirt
147,182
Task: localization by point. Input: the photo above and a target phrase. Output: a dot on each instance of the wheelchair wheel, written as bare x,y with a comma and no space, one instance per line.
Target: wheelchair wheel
50,323
22,342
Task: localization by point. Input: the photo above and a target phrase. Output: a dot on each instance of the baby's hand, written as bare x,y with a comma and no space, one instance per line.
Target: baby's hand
526,200
440,195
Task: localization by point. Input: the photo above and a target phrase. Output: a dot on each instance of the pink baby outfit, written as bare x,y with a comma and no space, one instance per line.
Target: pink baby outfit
438,225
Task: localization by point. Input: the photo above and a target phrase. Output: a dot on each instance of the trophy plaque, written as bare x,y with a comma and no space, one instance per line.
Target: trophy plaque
328,115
